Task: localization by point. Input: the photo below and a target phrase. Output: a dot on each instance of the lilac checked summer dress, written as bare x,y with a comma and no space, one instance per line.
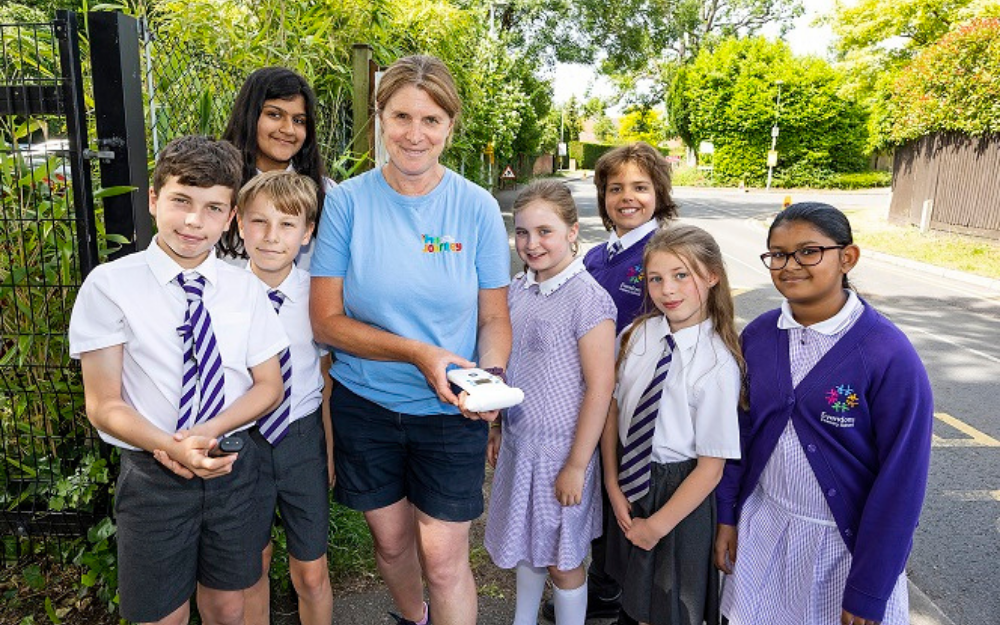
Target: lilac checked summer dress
791,563
526,523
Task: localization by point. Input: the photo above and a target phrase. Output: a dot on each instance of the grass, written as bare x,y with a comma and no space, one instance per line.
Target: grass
977,256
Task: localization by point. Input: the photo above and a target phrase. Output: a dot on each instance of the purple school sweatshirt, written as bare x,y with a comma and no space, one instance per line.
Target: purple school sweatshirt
622,278
863,415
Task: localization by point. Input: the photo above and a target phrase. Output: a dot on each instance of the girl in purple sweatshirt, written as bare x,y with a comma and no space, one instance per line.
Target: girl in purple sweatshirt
835,444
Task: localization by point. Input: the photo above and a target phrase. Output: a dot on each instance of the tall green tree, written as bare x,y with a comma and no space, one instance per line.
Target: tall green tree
729,97
877,39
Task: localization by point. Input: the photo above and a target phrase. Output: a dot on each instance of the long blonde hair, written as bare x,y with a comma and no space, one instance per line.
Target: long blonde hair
702,255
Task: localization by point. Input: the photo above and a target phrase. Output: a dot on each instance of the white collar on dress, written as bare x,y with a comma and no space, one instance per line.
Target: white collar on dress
829,327
632,236
547,287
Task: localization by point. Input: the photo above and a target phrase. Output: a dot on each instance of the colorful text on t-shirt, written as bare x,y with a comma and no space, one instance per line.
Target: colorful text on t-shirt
445,243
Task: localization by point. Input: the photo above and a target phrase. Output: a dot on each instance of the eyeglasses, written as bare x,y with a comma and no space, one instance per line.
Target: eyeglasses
805,257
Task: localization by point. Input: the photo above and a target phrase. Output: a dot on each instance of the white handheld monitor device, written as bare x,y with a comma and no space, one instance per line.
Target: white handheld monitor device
486,391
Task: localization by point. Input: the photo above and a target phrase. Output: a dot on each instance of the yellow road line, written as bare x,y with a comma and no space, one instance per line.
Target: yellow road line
975,437
973,495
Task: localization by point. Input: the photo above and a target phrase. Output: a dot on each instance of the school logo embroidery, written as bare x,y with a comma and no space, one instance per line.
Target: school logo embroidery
446,243
841,399
634,276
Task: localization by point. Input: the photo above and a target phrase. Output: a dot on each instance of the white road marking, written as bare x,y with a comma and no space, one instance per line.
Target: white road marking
942,339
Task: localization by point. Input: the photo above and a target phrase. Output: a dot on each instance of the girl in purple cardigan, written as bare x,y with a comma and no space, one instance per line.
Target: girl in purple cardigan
633,198
836,444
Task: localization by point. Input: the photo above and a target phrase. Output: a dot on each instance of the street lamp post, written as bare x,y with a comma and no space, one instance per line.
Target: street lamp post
771,157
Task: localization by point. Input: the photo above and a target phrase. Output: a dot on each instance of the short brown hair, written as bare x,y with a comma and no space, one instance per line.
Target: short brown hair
291,193
199,161
649,160
427,73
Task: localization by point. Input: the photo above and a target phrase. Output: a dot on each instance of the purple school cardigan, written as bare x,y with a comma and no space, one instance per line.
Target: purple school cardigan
623,278
863,416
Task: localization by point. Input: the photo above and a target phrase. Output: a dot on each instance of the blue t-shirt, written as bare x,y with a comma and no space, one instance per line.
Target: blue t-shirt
412,266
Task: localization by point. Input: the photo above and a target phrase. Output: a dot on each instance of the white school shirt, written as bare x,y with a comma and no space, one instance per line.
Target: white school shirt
632,236
697,413
132,302
307,376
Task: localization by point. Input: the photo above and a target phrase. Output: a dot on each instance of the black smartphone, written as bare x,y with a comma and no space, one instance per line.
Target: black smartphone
226,445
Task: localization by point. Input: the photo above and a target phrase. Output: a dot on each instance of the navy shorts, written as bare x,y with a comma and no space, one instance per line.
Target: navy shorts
174,532
437,462
293,477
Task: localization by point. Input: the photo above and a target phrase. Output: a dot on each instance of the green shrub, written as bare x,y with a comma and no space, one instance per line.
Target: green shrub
862,180
586,154
690,177
953,85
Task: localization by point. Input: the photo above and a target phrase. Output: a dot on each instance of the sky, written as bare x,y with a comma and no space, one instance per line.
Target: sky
803,38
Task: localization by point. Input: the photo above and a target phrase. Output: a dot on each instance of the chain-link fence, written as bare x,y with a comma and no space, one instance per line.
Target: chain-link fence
52,473
188,91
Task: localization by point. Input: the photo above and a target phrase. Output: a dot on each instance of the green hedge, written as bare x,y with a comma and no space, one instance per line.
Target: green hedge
586,154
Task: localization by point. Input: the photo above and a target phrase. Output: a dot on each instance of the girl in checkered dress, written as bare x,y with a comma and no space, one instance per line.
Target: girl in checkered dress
545,505
672,425
836,444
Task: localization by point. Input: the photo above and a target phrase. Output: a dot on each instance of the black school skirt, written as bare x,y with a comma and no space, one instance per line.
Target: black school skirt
676,582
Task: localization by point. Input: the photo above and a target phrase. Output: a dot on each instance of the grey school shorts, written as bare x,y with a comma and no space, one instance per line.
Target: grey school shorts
174,533
293,476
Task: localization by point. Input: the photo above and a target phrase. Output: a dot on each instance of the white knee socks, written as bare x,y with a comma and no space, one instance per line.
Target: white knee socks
530,585
571,605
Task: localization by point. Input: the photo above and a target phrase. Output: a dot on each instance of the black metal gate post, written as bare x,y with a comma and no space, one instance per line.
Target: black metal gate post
121,127
68,32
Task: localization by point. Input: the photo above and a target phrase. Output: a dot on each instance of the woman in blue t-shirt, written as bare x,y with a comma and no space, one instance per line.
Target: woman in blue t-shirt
410,277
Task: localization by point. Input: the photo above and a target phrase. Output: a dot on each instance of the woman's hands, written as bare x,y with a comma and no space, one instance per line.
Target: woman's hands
433,361
725,547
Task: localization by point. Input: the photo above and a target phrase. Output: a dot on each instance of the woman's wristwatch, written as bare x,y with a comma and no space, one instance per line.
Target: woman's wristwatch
497,371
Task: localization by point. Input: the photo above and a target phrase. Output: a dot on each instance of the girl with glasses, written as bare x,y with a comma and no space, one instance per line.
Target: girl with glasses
817,518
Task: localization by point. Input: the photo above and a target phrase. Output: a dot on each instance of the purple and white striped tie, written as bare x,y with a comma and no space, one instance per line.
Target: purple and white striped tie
614,250
203,386
634,472
274,426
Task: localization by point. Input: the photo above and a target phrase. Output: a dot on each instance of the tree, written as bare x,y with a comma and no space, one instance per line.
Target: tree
642,124
876,39
951,85
640,36
729,97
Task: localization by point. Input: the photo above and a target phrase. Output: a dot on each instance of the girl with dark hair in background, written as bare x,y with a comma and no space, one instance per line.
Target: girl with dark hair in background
273,124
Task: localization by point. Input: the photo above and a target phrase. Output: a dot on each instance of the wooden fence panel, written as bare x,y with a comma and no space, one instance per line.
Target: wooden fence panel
959,174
